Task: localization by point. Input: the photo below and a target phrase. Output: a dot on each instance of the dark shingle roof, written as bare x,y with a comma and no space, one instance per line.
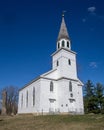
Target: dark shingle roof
63,33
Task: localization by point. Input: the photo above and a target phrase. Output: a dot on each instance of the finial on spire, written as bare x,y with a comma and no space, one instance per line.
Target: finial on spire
63,12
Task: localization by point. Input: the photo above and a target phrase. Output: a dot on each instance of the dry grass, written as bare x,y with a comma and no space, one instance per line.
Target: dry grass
52,122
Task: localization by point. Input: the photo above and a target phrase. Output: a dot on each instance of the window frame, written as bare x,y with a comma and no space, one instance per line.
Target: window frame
57,63
27,99
22,100
70,86
51,86
71,94
33,96
67,44
69,61
63,43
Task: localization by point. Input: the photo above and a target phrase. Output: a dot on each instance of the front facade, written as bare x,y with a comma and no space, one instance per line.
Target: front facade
58,90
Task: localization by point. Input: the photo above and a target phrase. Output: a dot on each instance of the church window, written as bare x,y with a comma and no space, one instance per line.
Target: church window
63,43
69,62
71,95
70,86
27,99
67,44
33,96
62,105
52,100
57,63
72,100
58,45
22,100
51,86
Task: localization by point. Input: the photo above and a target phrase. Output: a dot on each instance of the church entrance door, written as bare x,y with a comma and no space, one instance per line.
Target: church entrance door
72,105
52,105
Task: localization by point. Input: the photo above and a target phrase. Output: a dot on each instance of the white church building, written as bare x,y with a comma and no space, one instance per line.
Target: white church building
59,90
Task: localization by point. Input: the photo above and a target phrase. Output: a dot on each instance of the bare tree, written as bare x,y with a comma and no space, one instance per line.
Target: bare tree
12,99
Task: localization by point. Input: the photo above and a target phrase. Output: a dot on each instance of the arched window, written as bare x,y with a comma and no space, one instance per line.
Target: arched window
57,63
69,62
33,96
63,43
51,86
22,100
67,44
27,99
70,86
58,45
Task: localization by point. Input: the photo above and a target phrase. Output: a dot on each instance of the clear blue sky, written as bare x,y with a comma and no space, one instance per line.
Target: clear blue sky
28,34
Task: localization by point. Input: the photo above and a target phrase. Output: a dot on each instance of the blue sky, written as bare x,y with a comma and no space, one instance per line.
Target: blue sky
28,34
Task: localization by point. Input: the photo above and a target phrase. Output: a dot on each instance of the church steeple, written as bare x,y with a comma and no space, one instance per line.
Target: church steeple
63,40
63,33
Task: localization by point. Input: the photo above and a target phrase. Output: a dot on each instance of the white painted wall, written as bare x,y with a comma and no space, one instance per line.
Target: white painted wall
51,74
61,94
64,69
30,108
46,95
64,96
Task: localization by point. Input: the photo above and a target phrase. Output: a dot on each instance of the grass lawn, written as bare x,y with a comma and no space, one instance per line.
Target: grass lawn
52,122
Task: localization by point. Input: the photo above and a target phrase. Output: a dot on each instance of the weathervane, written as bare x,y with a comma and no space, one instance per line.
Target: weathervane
63,12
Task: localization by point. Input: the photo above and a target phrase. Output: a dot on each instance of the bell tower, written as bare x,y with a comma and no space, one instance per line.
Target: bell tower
64,59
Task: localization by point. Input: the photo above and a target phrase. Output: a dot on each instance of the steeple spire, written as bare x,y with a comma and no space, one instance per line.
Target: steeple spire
63,33
63,40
